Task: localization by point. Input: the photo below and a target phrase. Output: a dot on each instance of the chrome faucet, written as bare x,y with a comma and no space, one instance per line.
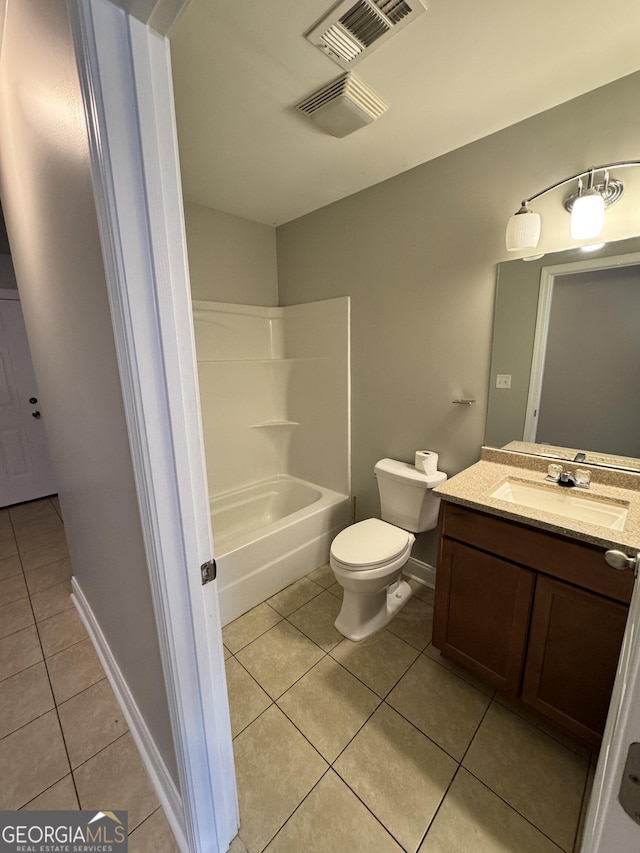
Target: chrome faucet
567,480
581,478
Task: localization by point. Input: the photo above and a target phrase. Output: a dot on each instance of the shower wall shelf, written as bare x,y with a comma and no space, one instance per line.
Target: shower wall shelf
271,360
274,424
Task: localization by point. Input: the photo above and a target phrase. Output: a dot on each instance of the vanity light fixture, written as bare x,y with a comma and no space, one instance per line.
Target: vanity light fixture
586,204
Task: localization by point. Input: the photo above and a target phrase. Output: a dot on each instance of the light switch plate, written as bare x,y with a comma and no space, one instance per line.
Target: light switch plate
503,380
629,794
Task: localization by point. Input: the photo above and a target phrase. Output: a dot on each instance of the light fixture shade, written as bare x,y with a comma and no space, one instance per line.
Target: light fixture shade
587,215
523,230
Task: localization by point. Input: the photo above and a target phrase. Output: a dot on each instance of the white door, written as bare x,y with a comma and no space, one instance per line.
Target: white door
609,829
25,466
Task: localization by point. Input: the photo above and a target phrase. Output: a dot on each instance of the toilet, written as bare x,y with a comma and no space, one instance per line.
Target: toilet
367,558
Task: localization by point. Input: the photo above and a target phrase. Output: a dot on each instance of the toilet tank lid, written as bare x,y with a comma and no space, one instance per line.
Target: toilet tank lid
406,472
369,543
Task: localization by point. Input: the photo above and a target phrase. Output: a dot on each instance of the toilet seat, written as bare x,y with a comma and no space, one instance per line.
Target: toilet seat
369,544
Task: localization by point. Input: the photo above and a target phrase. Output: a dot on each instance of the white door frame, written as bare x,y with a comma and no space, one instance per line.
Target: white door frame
125,75
543,317
608,828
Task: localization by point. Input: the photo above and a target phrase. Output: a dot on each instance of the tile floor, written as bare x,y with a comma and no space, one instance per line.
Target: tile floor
63,741
382,745
377,746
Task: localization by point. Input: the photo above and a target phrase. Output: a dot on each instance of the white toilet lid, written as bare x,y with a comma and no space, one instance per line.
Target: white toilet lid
369,543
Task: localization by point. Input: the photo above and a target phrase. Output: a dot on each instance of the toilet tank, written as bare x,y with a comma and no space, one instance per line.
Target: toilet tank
406,495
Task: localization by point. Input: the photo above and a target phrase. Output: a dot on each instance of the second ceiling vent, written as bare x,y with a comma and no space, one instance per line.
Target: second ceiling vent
352,31
345,105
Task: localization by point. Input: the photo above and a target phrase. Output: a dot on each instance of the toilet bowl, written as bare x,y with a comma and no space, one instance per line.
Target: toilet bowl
367,558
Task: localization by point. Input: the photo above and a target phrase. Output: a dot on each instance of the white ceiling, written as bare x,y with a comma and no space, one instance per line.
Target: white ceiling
461,71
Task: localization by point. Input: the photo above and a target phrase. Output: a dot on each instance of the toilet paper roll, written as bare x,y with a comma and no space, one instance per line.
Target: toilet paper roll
426,461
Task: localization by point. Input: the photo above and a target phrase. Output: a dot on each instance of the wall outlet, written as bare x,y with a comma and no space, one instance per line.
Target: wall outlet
503,380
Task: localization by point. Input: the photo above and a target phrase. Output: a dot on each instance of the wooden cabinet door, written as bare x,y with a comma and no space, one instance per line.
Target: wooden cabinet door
574,647
482,610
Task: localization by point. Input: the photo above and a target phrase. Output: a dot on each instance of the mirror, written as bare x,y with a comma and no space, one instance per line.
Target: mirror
566,356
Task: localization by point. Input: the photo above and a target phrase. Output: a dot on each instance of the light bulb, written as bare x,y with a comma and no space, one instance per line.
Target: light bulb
587,215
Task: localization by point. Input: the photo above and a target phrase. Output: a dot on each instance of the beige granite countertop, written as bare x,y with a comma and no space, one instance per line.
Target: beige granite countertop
473,487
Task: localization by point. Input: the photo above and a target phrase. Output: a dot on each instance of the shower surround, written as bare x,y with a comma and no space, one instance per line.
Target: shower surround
275,397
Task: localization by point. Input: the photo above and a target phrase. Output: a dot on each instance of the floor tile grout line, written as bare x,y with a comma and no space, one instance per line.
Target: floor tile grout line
513,808
478,727
424,734
129,834
420,651
70,646
237,652
64,740
372,813
84,690
44,659
35,622
37,717
291,625
17,630
491,700
355,735
382,701
440,804
306,796
364,682
264,710
461,677
489,786
45,565
48,788
277,612
575,749
329,769
304,603
74,770
331,763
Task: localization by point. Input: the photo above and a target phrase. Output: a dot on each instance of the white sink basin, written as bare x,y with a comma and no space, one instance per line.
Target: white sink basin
563,501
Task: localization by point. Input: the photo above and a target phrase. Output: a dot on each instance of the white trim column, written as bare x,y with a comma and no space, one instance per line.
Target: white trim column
125,75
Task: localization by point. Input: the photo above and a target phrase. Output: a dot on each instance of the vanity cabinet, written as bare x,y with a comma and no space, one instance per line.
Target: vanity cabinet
538,616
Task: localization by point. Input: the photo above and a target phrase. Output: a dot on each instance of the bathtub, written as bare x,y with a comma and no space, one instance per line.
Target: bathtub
269,534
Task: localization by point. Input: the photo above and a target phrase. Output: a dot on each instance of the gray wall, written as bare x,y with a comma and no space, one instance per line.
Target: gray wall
590,385
48,201
230,259
418,253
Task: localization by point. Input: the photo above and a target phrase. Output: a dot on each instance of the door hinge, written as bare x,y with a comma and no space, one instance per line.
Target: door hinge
208,571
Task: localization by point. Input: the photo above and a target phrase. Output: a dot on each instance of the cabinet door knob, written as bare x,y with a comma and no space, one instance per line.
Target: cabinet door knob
620,560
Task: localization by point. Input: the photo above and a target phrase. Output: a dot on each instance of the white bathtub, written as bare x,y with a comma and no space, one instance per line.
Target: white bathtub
268,535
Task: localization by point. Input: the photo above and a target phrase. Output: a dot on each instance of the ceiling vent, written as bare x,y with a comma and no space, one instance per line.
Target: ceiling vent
345,105
352,31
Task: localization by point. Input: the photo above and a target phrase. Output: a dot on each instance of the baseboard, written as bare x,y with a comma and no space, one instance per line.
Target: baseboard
421,572
159,776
